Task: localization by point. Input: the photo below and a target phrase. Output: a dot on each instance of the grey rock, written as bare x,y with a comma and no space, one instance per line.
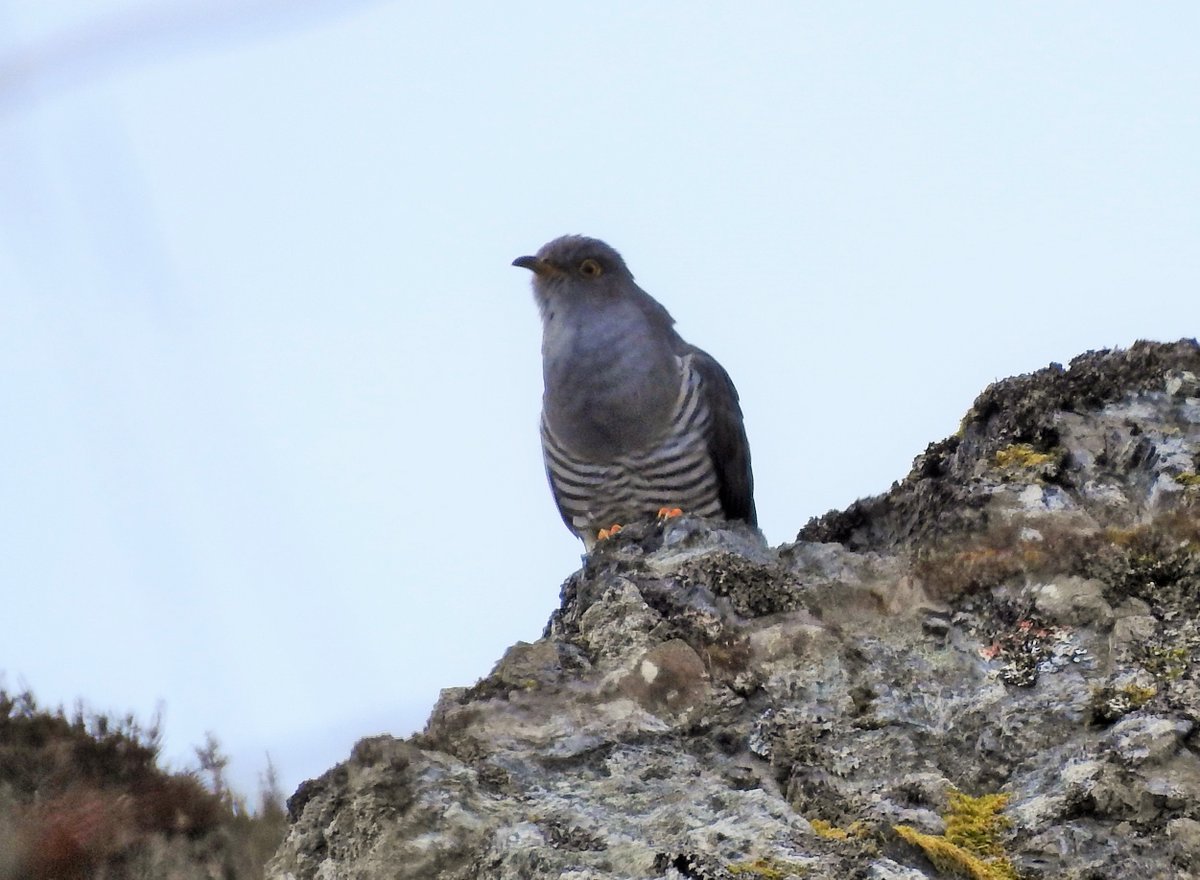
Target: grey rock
1074,601
1186,834
701,706
886,869
1147,738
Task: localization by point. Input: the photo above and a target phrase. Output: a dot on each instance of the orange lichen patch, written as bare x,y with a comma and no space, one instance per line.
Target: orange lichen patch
991,652
1035,629
1025,645
669,512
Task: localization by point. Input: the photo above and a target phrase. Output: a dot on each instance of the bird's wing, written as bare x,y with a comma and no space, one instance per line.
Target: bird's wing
727,438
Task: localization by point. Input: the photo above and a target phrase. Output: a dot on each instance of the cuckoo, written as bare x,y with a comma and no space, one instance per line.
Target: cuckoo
636,422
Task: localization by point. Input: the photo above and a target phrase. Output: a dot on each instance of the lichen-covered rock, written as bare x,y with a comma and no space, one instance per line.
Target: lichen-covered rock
1105,439
989,672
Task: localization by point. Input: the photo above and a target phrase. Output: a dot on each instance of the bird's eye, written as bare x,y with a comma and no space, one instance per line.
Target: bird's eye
589,268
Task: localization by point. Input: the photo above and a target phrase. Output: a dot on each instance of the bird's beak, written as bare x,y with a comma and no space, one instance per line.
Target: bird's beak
538,267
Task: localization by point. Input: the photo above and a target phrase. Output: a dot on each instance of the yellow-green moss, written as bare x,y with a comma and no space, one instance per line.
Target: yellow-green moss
828,830
1167,663
768,869
1191,480
975,823
970,846
954,860
1139,695
1112,702
1022,455
832,832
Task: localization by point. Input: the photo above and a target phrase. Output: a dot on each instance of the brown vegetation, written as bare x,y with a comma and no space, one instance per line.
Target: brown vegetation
83,795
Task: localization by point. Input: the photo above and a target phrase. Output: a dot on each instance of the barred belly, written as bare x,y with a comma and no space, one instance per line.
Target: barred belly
676,471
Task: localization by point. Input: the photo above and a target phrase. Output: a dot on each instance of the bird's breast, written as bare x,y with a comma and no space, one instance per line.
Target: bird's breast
674,469
609,393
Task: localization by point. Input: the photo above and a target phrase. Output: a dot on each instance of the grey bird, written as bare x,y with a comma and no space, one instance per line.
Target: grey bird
635,421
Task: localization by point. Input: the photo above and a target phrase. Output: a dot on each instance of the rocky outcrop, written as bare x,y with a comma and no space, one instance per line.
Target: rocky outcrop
990,672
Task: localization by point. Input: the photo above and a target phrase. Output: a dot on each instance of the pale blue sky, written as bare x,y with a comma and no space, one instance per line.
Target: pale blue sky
270,394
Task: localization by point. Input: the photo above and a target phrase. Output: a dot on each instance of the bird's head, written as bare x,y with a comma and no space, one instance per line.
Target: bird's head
584,280
576,268
575,258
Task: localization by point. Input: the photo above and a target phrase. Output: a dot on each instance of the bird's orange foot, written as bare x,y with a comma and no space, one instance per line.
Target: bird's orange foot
605,534
665,513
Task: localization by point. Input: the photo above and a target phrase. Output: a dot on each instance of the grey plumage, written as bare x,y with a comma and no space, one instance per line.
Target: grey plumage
634,419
